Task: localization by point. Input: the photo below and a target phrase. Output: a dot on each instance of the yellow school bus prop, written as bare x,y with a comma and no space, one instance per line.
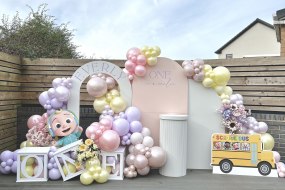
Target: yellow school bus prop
241,150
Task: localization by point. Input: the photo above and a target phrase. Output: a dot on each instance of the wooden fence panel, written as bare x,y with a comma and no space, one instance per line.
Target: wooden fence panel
10,99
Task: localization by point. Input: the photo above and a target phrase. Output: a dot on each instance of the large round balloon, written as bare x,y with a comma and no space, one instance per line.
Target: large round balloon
133,114
268,141
34,120
158,157
121,126
118,104
96,87
221,75
99,104
109,141
62,93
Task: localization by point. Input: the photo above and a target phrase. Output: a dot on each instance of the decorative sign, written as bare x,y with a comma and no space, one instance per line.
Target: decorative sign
119,159
241,154
65,168
163,90
90,69
30,154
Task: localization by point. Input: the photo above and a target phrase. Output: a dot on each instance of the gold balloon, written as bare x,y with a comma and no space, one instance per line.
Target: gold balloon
23,144
221,75
268,141
118,104
99,104
115,93
151,61
228,90
29,144
92,162
71,167
109,169
103,177
219,90
157,50
95,176
30,171
86,178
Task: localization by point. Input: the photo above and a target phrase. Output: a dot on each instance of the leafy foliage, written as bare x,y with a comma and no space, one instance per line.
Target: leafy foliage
37,36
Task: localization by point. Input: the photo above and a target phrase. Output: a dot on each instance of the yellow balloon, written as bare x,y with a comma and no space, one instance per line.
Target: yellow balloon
226,101
219,90
157,50
207,82
98,169
86,178
95,176
99,104
29,170
103,177
207,68
71,167
23,144
147,53
29,144
221,75
109,169
224,96
92,170
109,97
228,90
268,141
118,104
92,162
144,49
151,61
115,93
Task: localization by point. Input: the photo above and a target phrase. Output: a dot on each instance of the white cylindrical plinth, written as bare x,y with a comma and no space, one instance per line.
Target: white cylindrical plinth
173,139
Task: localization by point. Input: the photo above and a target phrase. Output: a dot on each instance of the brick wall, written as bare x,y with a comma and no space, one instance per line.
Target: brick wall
87,116
276,127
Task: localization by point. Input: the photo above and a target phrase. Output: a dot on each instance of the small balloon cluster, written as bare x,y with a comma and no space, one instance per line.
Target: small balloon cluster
8,162
280,165
57,96
194,69
104,89
137,59
217,79
38,134
94,172
53,171
87,156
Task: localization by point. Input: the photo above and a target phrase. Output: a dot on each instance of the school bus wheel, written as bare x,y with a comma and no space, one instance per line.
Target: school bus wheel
264,168
226,166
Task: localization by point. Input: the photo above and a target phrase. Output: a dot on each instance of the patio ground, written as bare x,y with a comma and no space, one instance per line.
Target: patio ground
194,180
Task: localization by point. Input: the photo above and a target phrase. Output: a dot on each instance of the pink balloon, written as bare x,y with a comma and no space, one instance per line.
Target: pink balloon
139,148
186,62
144,171
91,131
96,87
140,161
130,159
133,52
109,141
44,118
276,156
129,65
158,157
140,70
189,70
141,60
111,83
107,123
34,120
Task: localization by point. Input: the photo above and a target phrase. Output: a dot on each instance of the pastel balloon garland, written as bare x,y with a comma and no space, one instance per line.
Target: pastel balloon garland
235,118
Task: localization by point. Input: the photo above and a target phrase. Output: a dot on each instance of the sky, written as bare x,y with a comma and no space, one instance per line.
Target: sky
183,29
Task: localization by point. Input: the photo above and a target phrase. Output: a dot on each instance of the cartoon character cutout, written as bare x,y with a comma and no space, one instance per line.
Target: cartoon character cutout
236,146
217,145
227,146
64,124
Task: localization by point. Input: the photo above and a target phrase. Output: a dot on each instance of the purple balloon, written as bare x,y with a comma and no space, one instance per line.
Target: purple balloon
3,164
52,160
3,171
54,174
43,98
62,93
8,169
121,126
55,166
136,126
9,162
6,155
73,155
53,148
15,154
56,104
263,127
50,166
111,159
133,114
50,111
14,167
56,82
51,92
